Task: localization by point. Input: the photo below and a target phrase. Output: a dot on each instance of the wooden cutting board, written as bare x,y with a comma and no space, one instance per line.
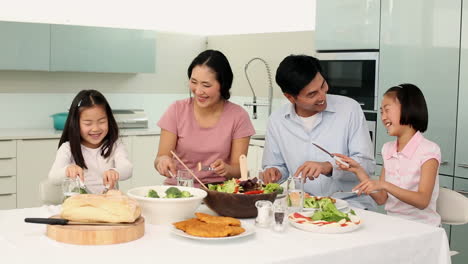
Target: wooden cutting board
96,234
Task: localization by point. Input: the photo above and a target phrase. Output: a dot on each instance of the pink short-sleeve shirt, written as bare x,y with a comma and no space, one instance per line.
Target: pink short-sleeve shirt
197,144
403,169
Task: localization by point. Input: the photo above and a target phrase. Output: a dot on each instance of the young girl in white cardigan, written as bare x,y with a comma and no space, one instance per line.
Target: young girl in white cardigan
90,147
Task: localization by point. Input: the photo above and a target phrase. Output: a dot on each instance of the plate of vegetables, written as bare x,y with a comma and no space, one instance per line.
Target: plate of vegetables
327,219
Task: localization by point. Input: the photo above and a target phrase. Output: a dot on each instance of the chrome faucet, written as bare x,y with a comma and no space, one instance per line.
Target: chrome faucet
254,103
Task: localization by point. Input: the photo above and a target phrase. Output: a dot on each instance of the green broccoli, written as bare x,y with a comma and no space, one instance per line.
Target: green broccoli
186,194
152,194
173,192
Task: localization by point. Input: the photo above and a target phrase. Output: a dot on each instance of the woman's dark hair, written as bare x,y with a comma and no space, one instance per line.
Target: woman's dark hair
216,61
295,72
71,131
413,105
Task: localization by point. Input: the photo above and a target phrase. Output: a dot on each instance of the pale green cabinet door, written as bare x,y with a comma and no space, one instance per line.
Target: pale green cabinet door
95,49
419,44
446,182
461,156
347,24
24,46
459,233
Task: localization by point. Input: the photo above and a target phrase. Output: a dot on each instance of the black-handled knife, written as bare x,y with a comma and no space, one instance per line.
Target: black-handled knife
61,221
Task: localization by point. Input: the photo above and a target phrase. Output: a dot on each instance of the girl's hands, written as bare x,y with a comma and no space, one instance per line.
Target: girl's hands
110,177
369,186
353,165
74,171
166,164
220,167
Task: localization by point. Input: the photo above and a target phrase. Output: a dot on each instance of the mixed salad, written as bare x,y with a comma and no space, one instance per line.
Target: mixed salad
171,192
250,186
327,214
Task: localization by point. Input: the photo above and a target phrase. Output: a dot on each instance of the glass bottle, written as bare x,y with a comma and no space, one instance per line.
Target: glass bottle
295,194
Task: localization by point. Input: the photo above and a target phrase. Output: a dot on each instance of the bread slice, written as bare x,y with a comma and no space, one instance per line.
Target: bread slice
112,207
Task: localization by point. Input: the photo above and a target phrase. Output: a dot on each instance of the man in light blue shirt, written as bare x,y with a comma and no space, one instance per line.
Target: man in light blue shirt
334,122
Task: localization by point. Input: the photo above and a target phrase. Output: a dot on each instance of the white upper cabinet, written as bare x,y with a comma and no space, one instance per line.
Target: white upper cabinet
347,24
419,44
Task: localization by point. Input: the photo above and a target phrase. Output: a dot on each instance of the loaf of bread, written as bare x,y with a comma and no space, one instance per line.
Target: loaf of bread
112,207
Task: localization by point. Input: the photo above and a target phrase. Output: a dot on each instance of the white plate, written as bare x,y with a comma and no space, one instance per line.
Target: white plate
324,229
339,204
249,230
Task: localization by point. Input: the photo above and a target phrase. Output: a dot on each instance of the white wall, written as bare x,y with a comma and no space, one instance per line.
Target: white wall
205,17
273,48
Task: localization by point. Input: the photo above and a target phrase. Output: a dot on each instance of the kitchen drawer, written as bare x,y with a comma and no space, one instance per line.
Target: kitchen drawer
7,148
446,181
7,167
7,201
7,184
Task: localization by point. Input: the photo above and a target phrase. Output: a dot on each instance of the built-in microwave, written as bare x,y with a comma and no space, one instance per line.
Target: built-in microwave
352,74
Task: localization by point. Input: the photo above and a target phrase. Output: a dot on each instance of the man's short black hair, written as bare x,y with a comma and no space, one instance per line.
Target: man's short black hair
413,105
295,72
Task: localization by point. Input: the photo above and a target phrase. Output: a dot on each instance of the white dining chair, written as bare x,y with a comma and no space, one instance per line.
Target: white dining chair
49,193
452,208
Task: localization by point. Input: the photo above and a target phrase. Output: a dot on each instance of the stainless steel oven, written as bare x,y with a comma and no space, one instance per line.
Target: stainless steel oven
354,74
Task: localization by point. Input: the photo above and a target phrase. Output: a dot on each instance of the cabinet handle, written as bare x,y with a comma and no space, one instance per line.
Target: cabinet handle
462,192
462,165
6,194
379,153
444,162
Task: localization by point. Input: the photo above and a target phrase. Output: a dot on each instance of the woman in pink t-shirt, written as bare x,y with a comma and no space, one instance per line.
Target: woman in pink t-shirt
409,183
206,128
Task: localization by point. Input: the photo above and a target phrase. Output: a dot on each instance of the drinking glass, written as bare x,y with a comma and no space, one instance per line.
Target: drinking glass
184,178
295,194
70,187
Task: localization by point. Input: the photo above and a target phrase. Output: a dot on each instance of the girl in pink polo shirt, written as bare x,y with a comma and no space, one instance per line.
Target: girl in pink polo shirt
205,128
409,182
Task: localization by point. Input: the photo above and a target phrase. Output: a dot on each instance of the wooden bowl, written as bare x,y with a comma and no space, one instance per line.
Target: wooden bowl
235,205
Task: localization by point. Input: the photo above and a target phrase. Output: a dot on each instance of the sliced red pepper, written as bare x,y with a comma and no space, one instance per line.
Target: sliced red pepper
236,190
298,215
254,192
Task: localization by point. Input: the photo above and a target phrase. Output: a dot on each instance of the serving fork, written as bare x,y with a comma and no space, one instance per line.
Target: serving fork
204,168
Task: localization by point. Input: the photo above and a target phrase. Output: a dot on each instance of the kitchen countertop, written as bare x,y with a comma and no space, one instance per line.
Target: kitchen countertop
44,133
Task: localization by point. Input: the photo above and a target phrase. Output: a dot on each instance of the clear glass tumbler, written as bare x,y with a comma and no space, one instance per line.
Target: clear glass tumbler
184,178
295,194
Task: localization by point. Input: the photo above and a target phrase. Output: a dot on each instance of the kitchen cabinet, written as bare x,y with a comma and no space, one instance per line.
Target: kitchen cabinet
255,154
461,155
34,160
144,150
419,44
446,182
127,184
7,174
347,24
97,49
24,46
459,233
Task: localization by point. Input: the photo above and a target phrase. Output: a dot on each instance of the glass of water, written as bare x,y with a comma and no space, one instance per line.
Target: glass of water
184,178
70,187
295,194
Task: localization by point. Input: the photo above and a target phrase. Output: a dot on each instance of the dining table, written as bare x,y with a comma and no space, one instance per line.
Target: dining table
380,239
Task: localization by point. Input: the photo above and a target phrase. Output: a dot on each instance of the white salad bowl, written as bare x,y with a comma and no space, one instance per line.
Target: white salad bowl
167,210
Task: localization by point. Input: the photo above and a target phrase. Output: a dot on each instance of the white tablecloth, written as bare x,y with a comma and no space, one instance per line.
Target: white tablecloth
381,239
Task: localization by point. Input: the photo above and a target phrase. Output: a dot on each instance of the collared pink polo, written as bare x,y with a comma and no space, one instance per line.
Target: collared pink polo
403,169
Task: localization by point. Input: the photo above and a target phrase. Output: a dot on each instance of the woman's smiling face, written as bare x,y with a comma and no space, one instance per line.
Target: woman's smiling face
205,86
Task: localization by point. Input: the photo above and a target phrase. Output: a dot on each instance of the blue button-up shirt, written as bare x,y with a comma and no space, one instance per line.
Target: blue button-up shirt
340,128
